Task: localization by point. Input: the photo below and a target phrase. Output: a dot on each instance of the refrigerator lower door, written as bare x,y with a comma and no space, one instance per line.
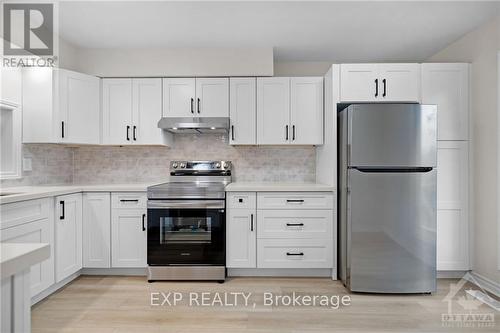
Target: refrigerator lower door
391,242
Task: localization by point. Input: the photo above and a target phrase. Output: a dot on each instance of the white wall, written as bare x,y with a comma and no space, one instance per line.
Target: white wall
301,68
171,62
480,47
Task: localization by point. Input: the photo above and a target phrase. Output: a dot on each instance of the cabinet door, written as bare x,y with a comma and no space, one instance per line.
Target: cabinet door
359,83
243,111
117,111
399,83
306,110
178,97
68,225
147,112
97,230
273,110
128,238
447,86
452,208
212,97
40,231
241,238
79,100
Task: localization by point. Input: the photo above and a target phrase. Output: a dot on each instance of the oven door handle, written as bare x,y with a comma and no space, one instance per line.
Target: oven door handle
186,204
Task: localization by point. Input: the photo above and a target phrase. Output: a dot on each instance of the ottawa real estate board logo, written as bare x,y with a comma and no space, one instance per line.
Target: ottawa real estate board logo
28,34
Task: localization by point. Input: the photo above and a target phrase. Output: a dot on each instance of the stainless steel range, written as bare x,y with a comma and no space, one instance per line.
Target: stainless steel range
186,222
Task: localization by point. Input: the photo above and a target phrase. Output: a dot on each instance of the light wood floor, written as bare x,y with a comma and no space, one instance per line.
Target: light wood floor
95,304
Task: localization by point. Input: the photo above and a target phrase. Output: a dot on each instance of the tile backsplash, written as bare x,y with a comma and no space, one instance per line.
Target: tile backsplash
53,164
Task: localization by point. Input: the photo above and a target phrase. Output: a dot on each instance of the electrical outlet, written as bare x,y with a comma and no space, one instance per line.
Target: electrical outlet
27,164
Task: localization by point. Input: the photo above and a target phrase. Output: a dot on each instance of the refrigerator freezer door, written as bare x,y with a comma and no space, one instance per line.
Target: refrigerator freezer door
392,223
392,135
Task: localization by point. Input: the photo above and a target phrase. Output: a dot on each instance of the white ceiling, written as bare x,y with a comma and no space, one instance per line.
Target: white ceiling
298,31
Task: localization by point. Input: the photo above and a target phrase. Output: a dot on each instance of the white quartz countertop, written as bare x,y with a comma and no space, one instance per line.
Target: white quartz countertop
21,193
278,187
16,257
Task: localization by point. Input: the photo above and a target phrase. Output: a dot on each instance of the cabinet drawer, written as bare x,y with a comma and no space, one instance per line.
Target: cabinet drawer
24,211
295,200
244,200
128,200
295,224
294,253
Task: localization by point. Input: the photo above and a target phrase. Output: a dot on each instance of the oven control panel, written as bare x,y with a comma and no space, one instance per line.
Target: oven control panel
199,166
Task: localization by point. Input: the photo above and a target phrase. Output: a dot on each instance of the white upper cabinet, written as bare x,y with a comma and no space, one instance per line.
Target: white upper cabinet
131,111
60,106
306,110
200,97
212,97
11,85
273,110
179,97
447,86
243,111
380,82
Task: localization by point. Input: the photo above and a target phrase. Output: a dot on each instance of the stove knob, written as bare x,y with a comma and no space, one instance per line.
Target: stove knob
225,165
217,165
183,165
175,165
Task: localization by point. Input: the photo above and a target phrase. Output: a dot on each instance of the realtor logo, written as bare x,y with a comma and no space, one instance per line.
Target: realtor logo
28,29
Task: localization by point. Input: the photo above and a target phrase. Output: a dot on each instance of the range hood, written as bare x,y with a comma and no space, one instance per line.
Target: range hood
195,125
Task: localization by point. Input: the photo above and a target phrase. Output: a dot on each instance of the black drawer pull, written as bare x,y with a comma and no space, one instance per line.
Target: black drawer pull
295,254
294,200
295,224
129,200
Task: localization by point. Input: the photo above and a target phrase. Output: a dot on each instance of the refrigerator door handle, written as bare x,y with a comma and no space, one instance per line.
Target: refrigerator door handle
395,170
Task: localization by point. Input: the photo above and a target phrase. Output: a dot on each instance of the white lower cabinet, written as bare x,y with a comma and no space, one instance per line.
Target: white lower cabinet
68,227
97,230
241,240
128,233
36,217
452,206
295,224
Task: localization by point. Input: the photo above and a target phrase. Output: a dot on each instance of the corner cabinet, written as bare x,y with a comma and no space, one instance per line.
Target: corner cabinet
60,106
131,111
380,83
68,230
196,97
97,230
290,111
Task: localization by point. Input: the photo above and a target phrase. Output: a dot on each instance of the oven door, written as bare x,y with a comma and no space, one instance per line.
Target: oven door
186,232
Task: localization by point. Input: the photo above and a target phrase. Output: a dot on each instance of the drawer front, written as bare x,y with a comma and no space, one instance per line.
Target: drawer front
295,200
295,224
243,200
294,253
131,200
24,211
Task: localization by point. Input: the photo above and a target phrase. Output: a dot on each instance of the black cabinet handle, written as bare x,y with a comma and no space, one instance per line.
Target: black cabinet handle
143,219
62,210
128,133
192,107
295,224
198,105
293,133
385,88
232,132
129,200
376,87
251,222
286,133
295,254
294,200
62,129
134,133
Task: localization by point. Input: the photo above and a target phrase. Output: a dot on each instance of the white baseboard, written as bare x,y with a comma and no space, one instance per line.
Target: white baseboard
280,272
115,271
450,274
485,283
53,288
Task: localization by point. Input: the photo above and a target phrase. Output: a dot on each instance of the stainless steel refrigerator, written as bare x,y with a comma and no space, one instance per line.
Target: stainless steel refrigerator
387,197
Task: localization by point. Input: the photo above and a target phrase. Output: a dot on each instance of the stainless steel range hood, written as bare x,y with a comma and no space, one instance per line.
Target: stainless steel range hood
195,125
